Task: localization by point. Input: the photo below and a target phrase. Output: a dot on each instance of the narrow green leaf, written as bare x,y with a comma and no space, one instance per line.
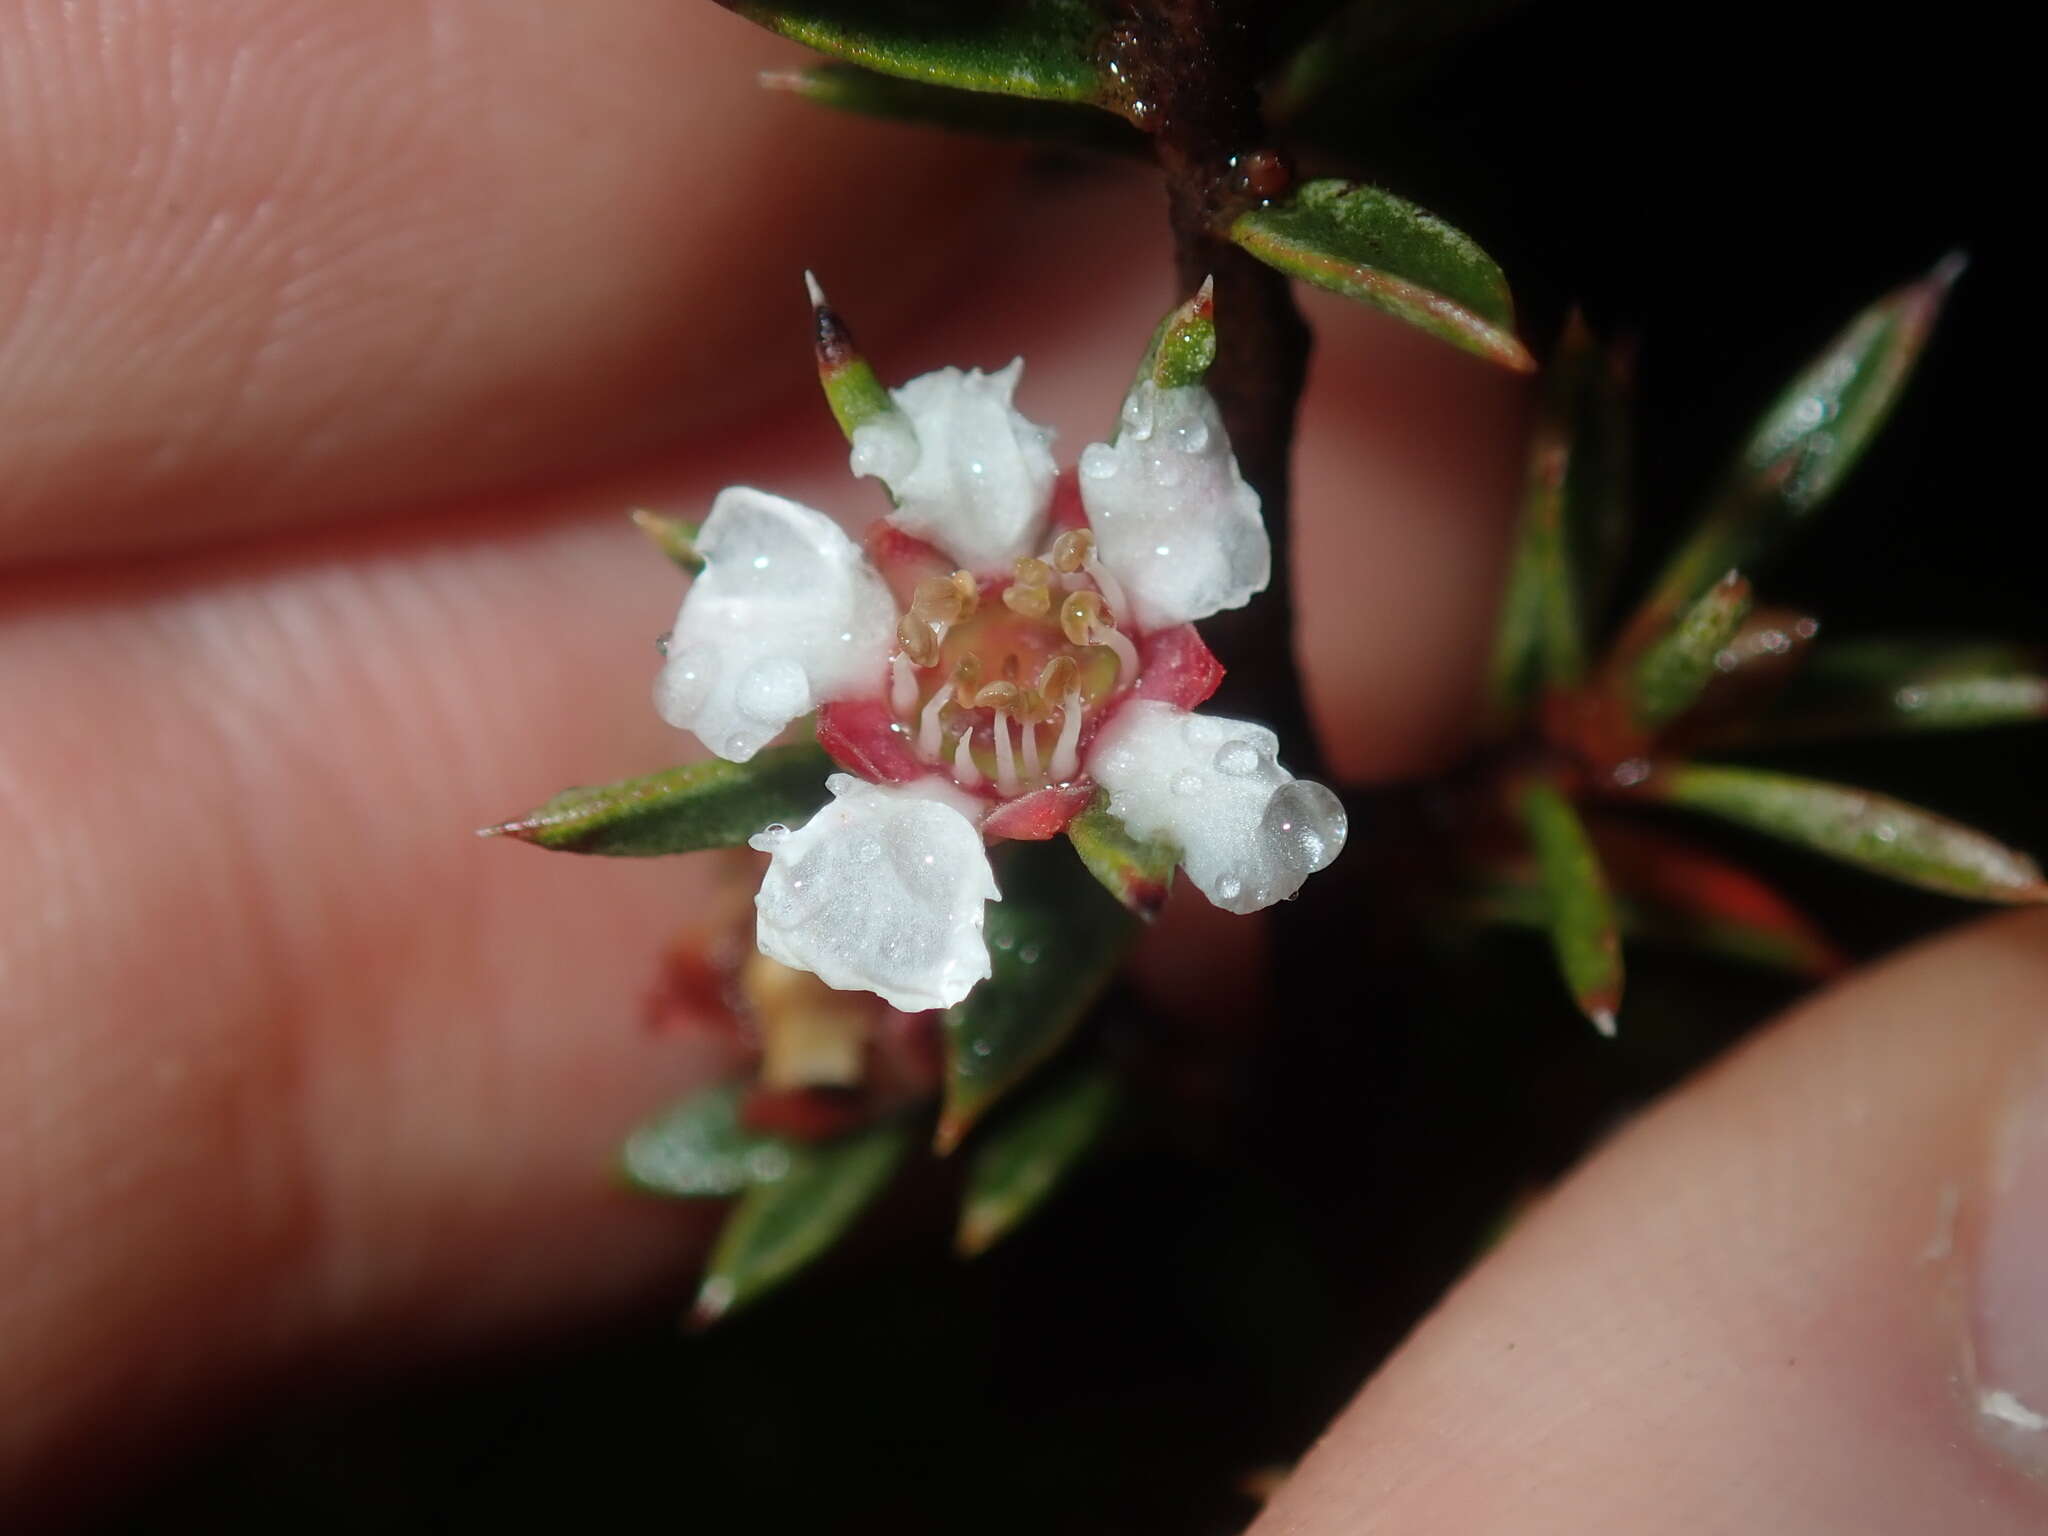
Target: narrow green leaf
1584,930
1882,687
1054,940
1885,836
1183,348
1675,670
673,537
699,1149
1382,250
1022,1158
852,389
1573,511
1746,943
712,804
777,1229
1047,49
1798,454
850,88
1138,874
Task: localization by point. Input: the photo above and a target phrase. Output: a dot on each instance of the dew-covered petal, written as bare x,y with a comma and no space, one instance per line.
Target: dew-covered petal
881,891
1174,521
968,472
1249,832
786,615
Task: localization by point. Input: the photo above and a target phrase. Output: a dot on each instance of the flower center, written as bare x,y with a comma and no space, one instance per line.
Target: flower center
998,682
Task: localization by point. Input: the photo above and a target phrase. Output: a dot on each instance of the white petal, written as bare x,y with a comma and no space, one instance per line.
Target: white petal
968,472
881,891
1174,520
1248,830
786,615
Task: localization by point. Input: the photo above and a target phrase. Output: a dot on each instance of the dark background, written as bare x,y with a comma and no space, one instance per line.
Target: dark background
1726,183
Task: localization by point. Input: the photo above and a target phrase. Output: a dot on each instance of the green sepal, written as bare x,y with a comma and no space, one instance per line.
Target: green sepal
852,389
1885,687
1046,49
1139,874
865,93
1585,932
1379,249
699,1149
1025,1154
1568,535
673,537
1677,666
1872,831
1799,452
777,1229
1183,347
711,804
1053,941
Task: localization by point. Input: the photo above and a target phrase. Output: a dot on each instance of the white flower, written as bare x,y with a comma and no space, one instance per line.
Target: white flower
786,615
1249,832
1172,515
882,890
968,471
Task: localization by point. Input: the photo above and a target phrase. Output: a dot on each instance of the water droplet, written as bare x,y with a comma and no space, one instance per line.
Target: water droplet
738,747
760,562
867,850
1098,462
1029,954
1168,471
1138,411
773,691
1237,759
976,468
1304,825
1192,436
661,642
1229,888
1189,784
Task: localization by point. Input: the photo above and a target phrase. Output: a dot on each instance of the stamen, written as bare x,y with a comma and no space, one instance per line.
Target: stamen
967,680
1066,752
965,772
920,643
970,592
929,740
1032,602
1126,653
1110,587
937,601
1006,762
1027,737
999,696
1072,550
1079,615
902,684
1056,677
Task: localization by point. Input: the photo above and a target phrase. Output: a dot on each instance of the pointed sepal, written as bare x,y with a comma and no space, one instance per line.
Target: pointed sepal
851,386
673,537
1875,832
1183,348
1379,249
1585,931
1054,940
709,804
1139,874
778,1229
1027,1152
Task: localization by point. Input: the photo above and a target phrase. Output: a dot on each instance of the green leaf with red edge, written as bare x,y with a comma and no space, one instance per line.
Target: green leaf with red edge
1877,833
1379,249
779,1228
866,93
701,1149
1023,1157
1046,49
1883,687
1573,517
1137,873
710,804
1054,940
1676,667
1799,452
1585,931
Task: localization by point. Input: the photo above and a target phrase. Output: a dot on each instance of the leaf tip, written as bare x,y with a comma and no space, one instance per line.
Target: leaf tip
1945,273
790,80
812,287
672,536
1604,1020
715,1299
955,1121
978,1231
522,829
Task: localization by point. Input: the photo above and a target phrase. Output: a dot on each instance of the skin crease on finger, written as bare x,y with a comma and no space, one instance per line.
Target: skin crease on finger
293,1072
260,259
1746,1314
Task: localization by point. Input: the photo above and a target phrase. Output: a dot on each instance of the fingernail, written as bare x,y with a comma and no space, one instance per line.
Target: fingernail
2011,1302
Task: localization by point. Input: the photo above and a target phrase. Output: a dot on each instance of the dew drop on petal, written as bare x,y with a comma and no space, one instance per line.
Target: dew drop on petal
1228,889
1304,825
1187,784
1237,759
661,642
1098,461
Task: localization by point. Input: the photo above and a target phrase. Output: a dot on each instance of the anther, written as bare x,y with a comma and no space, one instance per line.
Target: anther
937,600
917,640
1080,616
1032,602
1072,550
1001,697
967,680
1056,677
970,592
